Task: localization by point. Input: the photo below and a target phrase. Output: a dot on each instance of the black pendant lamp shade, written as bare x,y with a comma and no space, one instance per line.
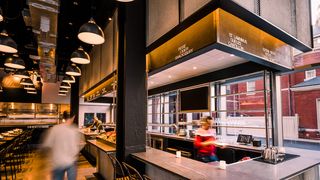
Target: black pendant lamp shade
62,94
30,87
79,56
73,70
26,81
69,79
63,90
15,62
22,74
31,91
7,44
65,85
91,33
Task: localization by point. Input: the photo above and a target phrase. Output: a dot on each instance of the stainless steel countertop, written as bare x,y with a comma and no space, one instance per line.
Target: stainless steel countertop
244,170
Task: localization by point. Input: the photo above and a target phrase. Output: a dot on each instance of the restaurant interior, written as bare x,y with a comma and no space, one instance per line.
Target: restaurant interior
142,78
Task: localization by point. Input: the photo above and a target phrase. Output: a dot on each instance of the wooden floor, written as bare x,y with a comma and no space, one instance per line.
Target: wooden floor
37,167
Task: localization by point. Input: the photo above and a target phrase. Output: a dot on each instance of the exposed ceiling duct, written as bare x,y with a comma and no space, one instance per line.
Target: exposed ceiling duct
44,15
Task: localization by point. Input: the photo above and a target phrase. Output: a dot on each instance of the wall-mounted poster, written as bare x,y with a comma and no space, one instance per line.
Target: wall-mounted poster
101,117
88,119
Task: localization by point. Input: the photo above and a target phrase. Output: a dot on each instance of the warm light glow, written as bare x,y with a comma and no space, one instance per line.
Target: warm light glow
29,88
125,0
32,92
91,38
33,105
194,68
65,85
51,106
63,90
109,18
79,60
231,55
169,76
7,49
12,105
73,73
62,94
15,66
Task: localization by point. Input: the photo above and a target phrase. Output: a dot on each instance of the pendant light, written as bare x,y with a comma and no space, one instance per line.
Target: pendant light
69,79
62,94
26,81
29,87
22,74
65,85
125,0
79,56
15,62
31,91
63,90
1,15
7,44
73,70
91,33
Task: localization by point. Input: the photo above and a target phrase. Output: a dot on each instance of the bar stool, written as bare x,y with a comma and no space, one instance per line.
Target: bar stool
132,172
118,173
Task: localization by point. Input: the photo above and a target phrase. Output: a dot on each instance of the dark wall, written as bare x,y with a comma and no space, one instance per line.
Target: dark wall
19,95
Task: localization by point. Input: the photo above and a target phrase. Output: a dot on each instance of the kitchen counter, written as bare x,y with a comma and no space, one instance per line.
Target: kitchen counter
189,139
249,169
102,146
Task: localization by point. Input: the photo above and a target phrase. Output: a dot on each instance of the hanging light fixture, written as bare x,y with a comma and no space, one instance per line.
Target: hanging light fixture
125,0
1,15
69,79
65,85
21,74
29,87
26,81
7,44
79,56
91,33
62,94
15,62
31,91
63,90
73,70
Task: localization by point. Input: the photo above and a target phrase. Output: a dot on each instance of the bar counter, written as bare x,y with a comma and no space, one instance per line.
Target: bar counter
164,164
189,139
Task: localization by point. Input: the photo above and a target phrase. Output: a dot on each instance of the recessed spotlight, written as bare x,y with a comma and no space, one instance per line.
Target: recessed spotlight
75,3
109,18
67,37
70,23
194,68
169,76
231,55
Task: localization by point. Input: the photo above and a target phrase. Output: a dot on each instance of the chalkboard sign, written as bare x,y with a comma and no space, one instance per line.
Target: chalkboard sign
243,138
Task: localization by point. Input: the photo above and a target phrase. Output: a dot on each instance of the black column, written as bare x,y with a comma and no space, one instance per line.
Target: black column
131,90
74,100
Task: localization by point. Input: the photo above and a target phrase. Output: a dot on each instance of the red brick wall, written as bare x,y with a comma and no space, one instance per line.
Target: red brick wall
305,107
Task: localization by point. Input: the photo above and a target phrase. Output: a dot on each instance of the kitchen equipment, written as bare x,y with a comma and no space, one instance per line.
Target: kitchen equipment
192,133
256,143
182,132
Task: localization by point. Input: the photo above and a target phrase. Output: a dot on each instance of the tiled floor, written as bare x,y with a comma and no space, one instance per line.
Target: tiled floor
38,167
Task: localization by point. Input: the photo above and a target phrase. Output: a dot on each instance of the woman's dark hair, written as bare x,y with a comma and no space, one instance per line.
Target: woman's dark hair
67,114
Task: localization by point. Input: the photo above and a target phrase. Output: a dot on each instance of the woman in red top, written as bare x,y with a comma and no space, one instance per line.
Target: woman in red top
205,141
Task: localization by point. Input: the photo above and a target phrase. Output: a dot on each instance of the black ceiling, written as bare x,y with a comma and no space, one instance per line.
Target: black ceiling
73,13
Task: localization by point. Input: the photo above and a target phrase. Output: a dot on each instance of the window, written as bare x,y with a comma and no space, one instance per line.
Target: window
251,87
310,74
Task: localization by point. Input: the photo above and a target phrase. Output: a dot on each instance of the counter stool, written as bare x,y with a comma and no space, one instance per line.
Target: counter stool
133,173
118,173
